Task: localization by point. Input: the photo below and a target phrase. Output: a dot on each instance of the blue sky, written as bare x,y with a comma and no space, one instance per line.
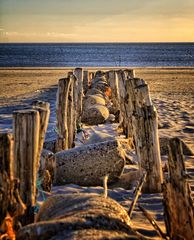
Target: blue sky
96,20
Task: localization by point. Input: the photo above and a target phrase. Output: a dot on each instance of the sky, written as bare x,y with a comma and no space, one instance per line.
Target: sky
96,20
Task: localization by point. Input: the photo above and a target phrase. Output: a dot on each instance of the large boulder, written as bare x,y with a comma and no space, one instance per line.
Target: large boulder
91,100
95,114
87,165
79,216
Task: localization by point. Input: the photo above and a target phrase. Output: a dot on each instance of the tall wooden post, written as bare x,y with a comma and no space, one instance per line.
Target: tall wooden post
78,73
113,82
62,112
44,111
122,98
85,81
142,119
91,76
6,173
26,127
72,114
178,205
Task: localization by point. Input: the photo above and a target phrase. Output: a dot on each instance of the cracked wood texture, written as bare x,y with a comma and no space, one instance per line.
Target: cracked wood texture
26,128
178,205
6,173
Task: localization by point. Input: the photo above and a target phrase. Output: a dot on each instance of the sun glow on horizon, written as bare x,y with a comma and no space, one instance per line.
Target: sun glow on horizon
96,21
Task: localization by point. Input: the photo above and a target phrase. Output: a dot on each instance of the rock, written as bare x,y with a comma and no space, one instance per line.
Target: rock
164,147
91,100
94,91
79,216
88,164
111,118
94,115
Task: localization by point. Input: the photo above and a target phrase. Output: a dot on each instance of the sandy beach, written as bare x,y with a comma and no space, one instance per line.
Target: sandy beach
172,91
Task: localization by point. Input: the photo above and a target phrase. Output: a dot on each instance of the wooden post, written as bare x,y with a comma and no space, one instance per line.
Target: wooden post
85,81
113,82
44,111
122,98
178,205
66,113
61,112
142,118
91,76
26,127
6,173
78,73
129,73
72,114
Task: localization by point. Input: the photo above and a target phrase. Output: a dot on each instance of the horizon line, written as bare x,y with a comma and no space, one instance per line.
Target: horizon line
85,42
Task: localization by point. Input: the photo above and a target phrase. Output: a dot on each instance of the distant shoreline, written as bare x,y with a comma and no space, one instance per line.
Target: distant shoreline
98,68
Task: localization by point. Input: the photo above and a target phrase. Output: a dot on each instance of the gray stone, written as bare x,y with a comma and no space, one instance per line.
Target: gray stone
87,165
94,115
91,100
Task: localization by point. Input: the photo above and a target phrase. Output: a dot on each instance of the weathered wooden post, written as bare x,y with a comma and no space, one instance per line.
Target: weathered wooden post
142,118
129,73
122,98
44,111
61,113
178,205
66,112
113,83
91,76
26,127
6,173
78,73
85,81
72,114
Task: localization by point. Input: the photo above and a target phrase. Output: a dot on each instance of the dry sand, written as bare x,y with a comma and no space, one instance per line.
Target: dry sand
172,91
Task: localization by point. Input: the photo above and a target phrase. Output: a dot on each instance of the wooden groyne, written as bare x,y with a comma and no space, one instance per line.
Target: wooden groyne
89,97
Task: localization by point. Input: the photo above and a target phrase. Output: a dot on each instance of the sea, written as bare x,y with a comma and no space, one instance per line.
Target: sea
96,54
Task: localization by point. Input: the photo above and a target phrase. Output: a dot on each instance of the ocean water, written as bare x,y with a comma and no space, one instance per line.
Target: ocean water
96,54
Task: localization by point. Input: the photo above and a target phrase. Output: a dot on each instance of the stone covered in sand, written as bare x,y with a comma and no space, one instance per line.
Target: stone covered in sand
95,114
91,100
87,165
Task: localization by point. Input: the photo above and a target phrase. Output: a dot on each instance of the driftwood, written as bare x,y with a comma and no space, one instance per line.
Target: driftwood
178,205
136,194
153,222
26,146
88,164
80,216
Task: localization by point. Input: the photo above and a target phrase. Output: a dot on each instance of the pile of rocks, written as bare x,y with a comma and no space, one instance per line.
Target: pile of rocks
96,102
